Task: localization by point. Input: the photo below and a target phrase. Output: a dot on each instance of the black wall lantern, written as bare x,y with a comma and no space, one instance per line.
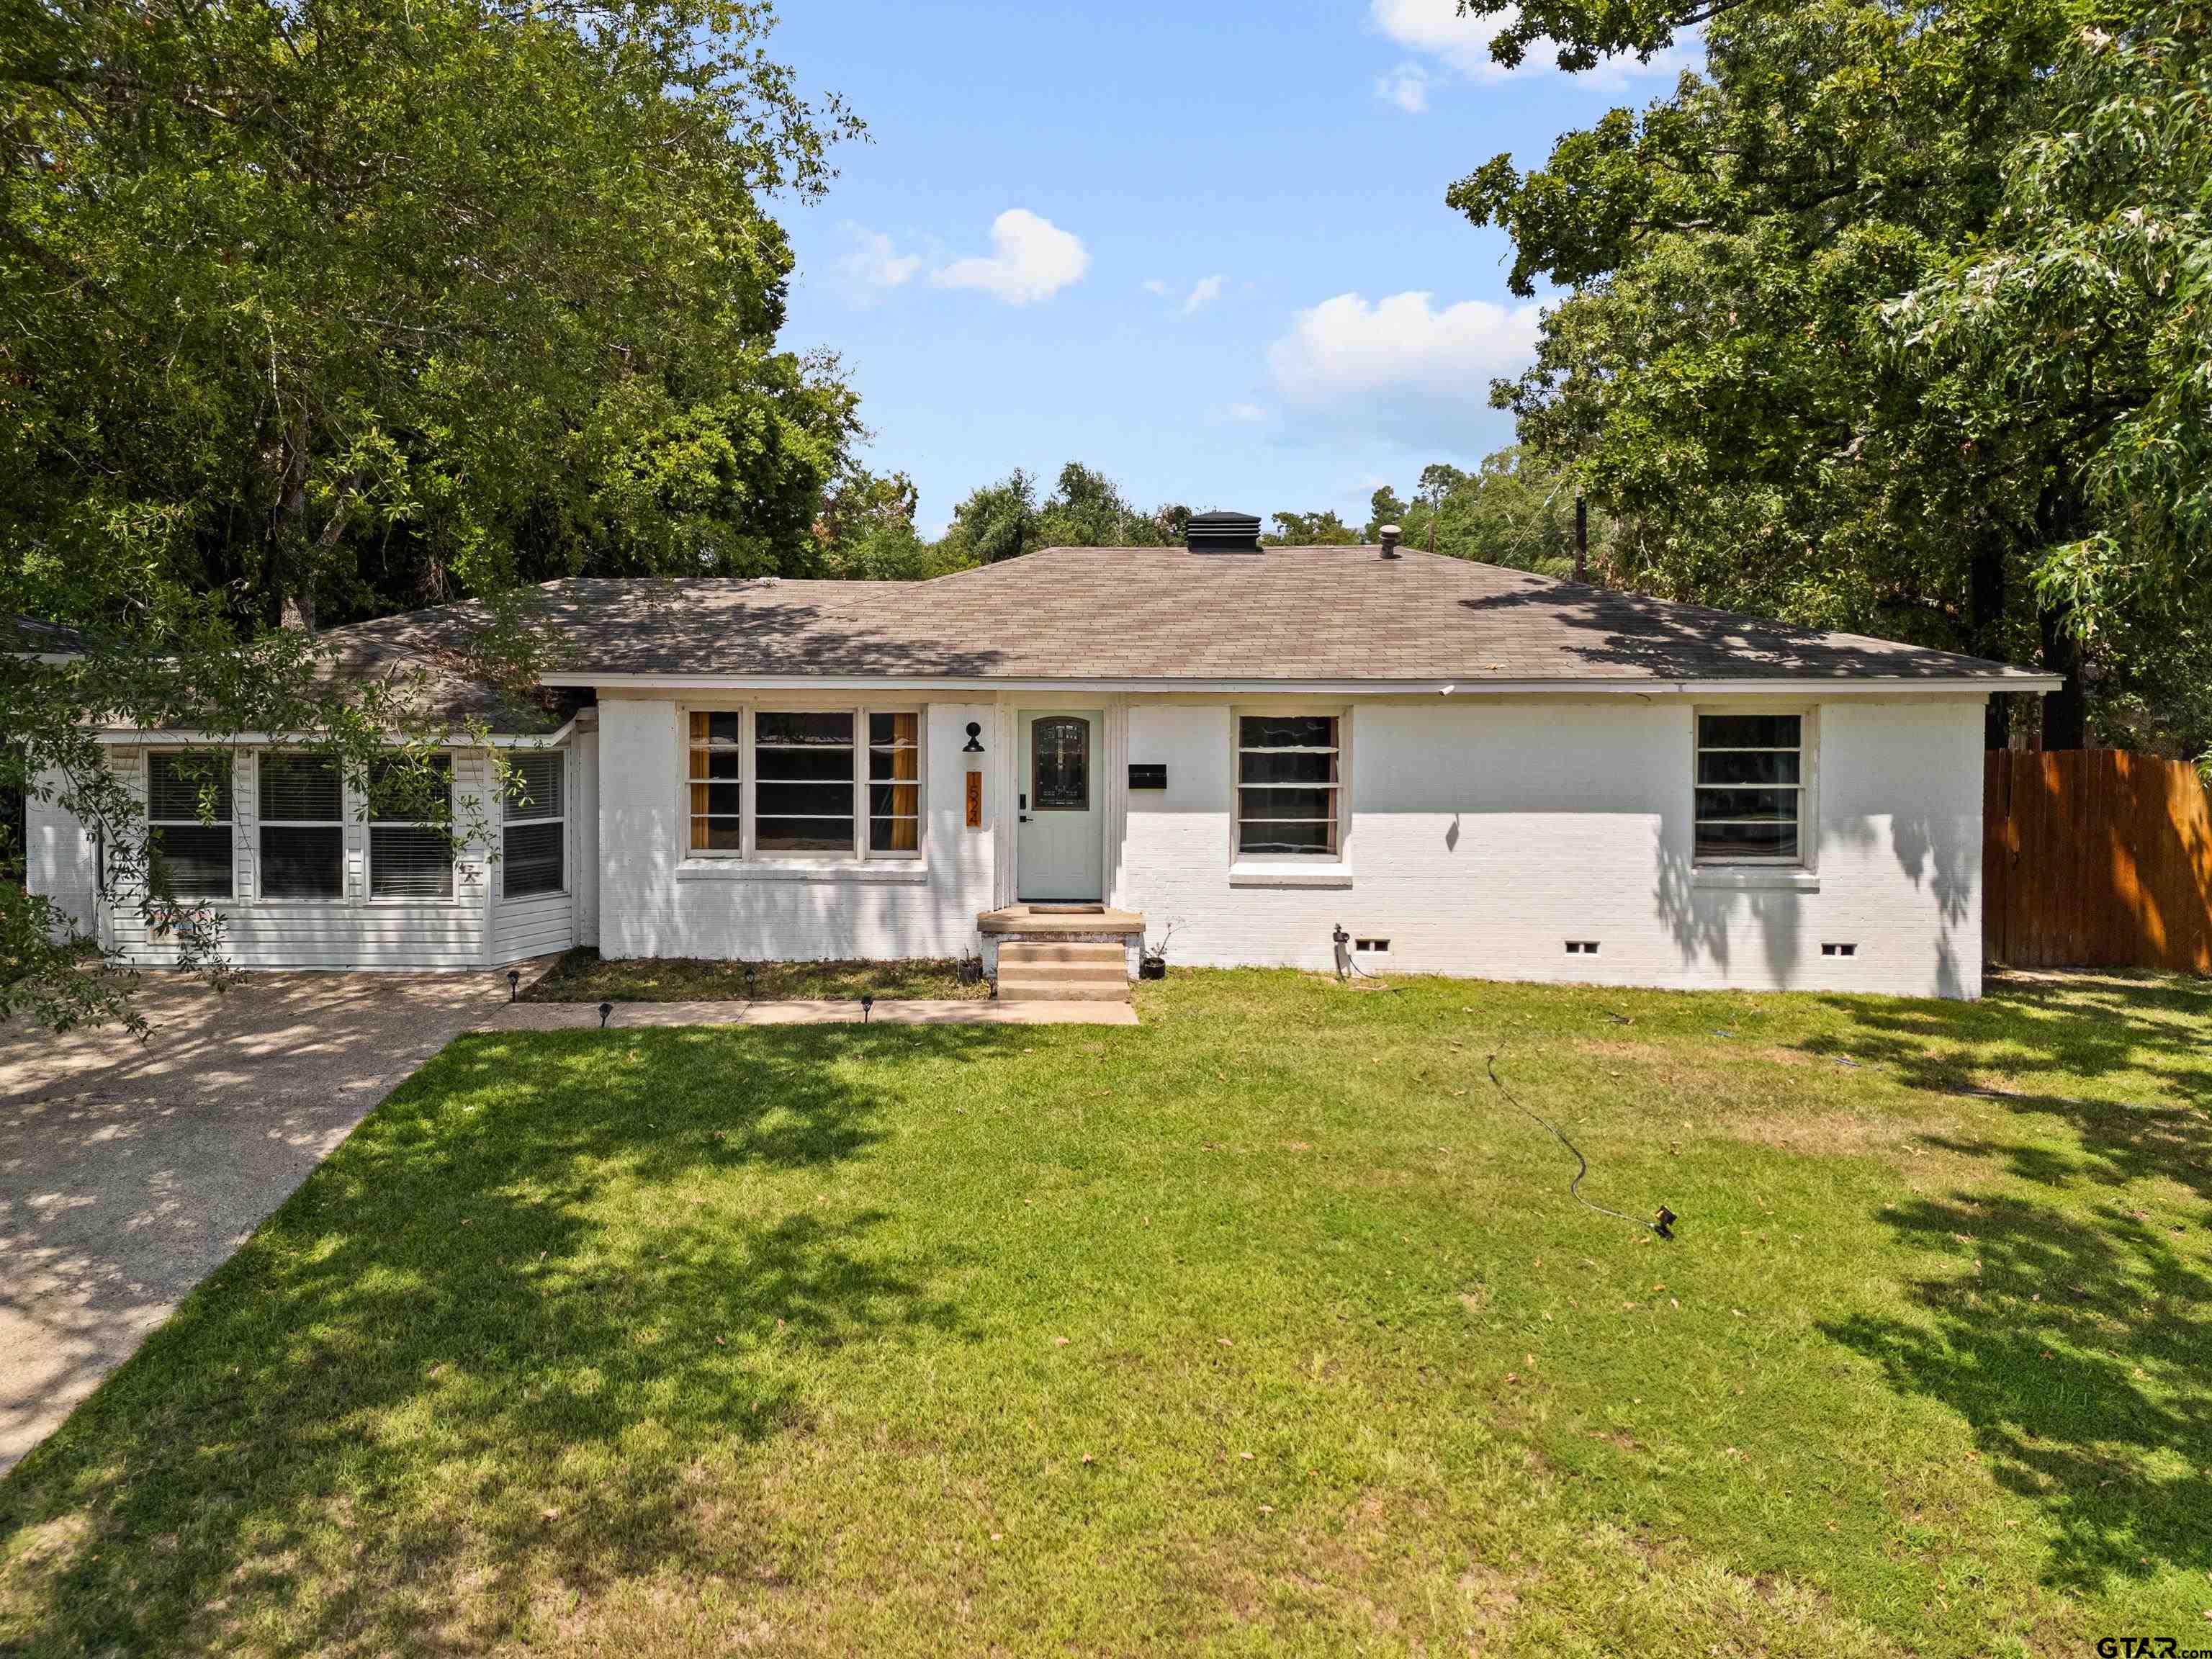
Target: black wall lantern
975,744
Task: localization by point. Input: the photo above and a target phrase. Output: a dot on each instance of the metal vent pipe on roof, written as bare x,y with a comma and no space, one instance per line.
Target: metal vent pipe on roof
1389,533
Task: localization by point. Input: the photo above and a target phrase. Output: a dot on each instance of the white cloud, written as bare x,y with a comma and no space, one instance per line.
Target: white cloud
1031,258
1437,29
1154,285
873,264
1405,86
1205,291
1246,414
1398,369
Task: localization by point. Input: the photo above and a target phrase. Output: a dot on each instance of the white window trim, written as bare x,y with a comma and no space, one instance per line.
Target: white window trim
803,864
1291,869
1749,870
229,757
568,852
261,826
370,826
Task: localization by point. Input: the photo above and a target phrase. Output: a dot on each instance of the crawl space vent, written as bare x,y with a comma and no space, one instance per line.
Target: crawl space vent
1836,950
1582,947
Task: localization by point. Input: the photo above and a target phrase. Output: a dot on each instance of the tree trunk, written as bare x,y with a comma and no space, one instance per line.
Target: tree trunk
1985,605
2061,516
289,577
2065,711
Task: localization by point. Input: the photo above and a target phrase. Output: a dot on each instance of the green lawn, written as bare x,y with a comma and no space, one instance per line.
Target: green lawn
1264,1327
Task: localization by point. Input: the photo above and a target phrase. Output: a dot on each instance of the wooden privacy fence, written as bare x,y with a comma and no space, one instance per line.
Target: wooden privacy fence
2095,858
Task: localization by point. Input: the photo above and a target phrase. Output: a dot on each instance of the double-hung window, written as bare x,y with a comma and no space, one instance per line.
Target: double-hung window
1750,788
894,785
534,840
1289,786
188,811
410,852
302,800
716,778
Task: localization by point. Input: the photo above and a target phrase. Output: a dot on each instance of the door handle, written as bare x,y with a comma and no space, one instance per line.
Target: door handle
1024,798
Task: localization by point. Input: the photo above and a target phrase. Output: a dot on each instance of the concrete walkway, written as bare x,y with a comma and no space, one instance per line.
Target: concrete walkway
129,1171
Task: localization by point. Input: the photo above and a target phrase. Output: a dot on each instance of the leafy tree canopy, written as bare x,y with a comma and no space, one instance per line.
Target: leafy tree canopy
1323,529
1740,376
1512,510
333,306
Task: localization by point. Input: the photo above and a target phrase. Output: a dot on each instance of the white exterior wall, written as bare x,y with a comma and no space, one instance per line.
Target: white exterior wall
61,857
655,902
355,931
1484,834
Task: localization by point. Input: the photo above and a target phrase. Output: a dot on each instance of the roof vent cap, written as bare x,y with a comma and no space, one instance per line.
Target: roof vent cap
1390,535
1221,533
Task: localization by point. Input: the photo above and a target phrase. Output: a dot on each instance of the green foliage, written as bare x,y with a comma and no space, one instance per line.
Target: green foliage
1323,529
1513,511
359,301
1730,373
336,308
1004,521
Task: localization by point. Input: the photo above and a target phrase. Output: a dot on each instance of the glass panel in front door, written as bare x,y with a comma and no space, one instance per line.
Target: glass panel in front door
1060,764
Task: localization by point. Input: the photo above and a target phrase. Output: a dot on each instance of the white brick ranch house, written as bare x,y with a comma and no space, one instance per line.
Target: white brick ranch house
1472,769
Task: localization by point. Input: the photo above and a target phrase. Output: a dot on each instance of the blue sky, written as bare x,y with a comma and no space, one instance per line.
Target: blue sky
1203,248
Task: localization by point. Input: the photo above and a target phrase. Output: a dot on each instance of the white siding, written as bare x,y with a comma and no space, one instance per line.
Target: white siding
584,776
352,931
61,857
1487,833
654,902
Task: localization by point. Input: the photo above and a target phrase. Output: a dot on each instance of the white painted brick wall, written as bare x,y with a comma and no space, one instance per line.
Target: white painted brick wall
649,907
1486,833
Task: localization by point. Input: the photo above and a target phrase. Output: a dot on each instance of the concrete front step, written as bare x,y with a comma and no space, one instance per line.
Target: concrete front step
1013,989
1108,952
1115,967
1062,971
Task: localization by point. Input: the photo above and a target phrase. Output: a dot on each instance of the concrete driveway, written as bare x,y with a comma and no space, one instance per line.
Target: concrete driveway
129,1172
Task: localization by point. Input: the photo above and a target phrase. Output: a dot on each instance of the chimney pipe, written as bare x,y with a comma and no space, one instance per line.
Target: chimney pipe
1390,534
1582,538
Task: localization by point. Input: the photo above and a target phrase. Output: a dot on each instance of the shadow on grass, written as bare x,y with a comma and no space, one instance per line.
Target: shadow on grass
2078,1356
2079,1350
2069,1034
487,1349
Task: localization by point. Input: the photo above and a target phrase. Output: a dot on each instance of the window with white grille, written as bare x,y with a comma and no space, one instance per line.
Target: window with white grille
1750,788
1289,786
189,815
410,808
532,852
302,804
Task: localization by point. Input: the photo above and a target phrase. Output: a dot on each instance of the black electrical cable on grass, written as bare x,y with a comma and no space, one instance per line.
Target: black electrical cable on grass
1664,1227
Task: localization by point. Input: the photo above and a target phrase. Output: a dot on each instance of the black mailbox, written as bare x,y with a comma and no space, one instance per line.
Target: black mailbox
1146,774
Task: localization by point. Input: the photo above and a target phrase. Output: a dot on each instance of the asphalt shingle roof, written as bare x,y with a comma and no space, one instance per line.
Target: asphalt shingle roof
1166,614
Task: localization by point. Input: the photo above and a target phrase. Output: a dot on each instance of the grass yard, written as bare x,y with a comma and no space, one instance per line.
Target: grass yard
1264,1326
580,975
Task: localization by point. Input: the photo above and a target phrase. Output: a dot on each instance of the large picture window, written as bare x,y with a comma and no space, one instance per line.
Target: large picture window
534,836
1750,788
1288,785
410,854
303,826
189,813
803,782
